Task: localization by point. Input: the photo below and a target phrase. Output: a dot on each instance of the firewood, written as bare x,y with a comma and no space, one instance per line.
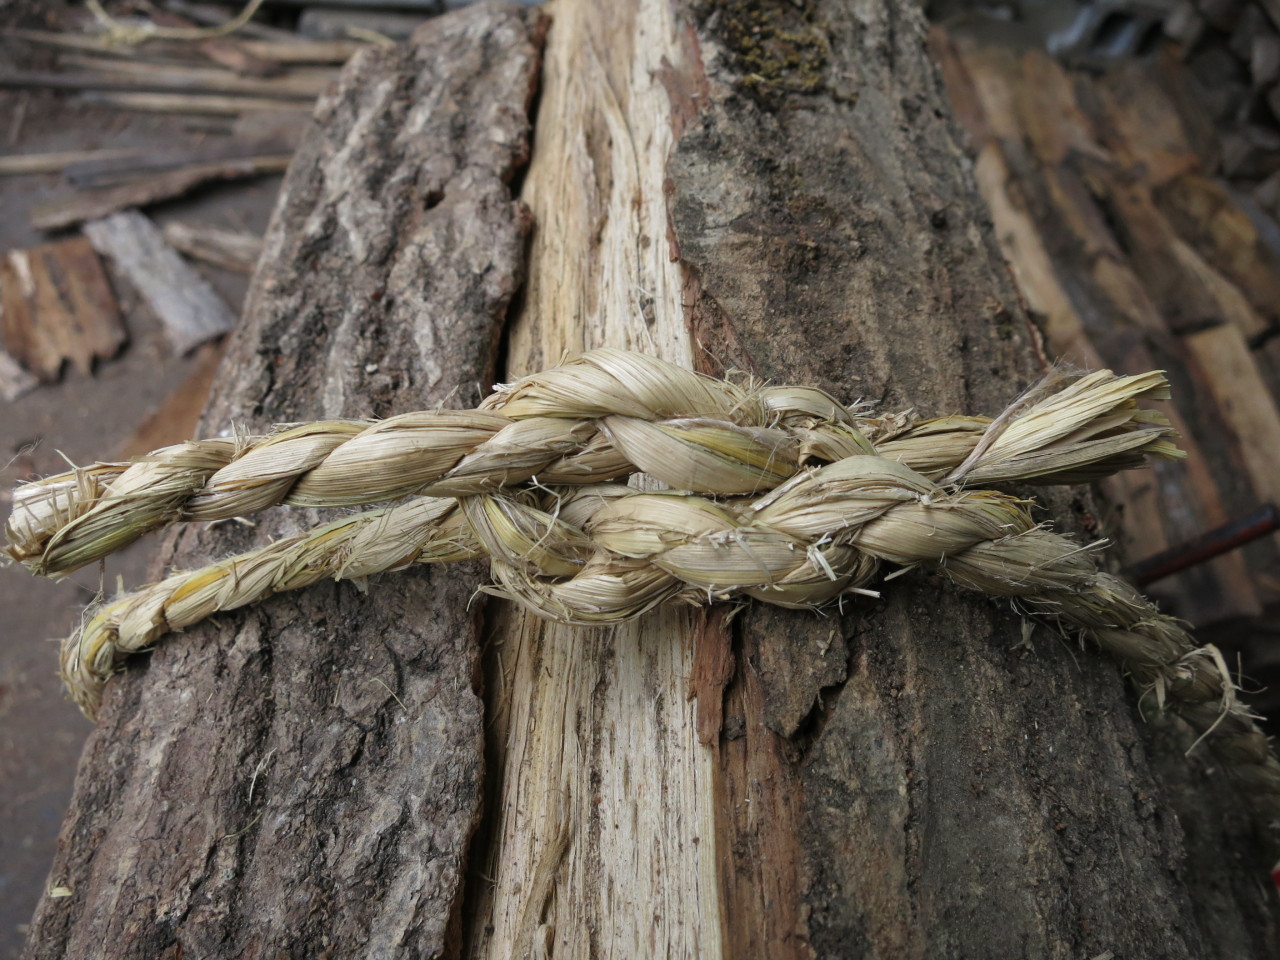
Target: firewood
230,249
91,204
192,103
14,381
128,76
55,162
773,190
188,307
57,308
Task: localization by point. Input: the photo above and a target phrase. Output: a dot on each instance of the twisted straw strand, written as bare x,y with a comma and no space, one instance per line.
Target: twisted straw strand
599,417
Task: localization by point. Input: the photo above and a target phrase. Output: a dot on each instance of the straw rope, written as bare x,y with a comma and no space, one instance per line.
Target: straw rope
602,554
812,498
605,415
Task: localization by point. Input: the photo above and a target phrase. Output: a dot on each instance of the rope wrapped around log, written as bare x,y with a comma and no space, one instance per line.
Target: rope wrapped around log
813,497
602,416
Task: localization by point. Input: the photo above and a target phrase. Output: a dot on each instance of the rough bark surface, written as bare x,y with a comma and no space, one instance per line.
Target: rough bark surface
303,779
913,777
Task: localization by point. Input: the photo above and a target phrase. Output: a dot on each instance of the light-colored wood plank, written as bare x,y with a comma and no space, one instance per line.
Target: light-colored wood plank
1243,402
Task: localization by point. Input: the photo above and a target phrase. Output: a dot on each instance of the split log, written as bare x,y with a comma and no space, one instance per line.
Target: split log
771,187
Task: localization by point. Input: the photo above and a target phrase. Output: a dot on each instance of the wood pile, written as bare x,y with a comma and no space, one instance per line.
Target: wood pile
245,99
1231,52
1232,47
1133,255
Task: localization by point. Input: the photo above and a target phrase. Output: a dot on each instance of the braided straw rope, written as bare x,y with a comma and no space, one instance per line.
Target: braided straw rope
843,493
602,416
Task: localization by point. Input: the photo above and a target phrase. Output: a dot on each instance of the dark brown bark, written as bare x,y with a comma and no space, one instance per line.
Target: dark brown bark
921,781
303,779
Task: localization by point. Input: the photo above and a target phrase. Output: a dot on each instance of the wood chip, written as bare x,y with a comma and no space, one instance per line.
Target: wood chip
230,249
190,309
14,381
58,307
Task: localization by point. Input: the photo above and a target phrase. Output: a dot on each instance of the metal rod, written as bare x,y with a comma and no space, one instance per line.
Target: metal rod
1219,540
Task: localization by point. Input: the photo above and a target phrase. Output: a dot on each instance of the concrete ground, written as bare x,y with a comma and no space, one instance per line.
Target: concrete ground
83,418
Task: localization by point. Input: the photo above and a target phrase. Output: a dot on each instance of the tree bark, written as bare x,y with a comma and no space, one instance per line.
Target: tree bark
774,187
303,778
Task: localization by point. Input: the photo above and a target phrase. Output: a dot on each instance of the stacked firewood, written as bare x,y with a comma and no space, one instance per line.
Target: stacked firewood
1133,252
1232,47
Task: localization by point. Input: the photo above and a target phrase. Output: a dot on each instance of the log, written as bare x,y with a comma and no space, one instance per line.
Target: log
347,732
763,187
